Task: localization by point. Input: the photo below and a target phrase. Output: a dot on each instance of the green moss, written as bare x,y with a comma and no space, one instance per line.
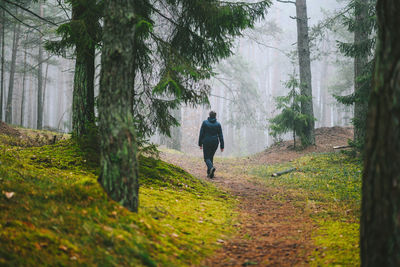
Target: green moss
337,244
328,187
60,216
330,181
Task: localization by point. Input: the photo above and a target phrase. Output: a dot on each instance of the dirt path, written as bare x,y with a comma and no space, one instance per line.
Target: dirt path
269,233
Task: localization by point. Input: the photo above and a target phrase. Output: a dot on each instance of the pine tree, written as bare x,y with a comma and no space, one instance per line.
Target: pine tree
82,33
201,34
303,52
291,117
303,48
362,23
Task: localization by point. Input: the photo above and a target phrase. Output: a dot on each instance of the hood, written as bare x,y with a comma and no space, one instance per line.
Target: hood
212,120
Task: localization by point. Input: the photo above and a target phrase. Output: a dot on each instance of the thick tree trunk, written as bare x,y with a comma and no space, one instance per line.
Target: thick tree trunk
3,17
39,122
360,63
9,107
119,171
83,95
380,217
303,48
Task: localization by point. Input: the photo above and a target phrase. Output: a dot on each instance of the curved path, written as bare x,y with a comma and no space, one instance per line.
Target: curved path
269,233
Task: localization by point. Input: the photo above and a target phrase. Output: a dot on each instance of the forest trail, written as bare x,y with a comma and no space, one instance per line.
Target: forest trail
269,232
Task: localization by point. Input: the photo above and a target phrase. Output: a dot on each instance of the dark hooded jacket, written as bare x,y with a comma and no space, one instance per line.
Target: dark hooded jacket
210,133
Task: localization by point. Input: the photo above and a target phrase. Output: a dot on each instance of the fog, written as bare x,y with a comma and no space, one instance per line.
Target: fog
242,92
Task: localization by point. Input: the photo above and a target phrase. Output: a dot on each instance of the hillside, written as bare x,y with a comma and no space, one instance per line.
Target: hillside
54,213
325,139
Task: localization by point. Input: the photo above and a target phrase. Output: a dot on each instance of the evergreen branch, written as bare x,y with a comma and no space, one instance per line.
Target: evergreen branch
31,12
174,22
327,22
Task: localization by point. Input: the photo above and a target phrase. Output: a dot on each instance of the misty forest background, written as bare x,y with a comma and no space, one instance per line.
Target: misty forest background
37,81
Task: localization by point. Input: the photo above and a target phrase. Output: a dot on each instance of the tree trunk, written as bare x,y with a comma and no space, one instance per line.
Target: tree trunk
176,134
303,48
380,217
83,95
119,169
39,121
9,107
2,63
23,85
44,92
360,63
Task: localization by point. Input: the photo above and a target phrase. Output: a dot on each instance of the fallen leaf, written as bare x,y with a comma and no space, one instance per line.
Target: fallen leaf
8,194
63,248
38,246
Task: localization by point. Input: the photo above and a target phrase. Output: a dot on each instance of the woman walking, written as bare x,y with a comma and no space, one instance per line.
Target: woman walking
210,137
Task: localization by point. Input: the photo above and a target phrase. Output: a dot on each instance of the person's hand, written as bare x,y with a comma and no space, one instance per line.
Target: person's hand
201,147
222,150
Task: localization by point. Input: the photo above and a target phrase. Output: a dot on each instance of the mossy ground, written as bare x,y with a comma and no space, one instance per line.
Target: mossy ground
328,187
60,216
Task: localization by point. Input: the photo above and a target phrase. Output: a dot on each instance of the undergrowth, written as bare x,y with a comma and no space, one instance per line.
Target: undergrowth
54,213
328,187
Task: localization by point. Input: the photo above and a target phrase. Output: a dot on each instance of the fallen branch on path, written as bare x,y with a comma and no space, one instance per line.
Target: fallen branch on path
283,172
341,147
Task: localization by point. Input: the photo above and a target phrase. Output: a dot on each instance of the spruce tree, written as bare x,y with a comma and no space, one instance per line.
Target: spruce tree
291,117
362,23
133,43
82,33
303,49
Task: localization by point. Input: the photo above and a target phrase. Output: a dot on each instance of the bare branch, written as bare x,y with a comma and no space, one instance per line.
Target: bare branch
286,2
31,12
20,21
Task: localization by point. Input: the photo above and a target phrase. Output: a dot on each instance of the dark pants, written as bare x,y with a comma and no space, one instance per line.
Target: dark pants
208,153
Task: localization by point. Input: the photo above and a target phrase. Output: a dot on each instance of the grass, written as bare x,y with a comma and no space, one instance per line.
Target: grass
328,187
60,216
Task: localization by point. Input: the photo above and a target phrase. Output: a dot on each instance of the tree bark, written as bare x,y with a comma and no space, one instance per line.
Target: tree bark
380,217
9,107
303,48
2,63
360,63
83,95
39,121
119,171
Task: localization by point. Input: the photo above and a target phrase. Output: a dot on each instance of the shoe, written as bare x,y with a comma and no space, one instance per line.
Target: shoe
212,172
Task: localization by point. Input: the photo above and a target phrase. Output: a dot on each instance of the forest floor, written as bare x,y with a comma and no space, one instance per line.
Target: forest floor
275,227
308,217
